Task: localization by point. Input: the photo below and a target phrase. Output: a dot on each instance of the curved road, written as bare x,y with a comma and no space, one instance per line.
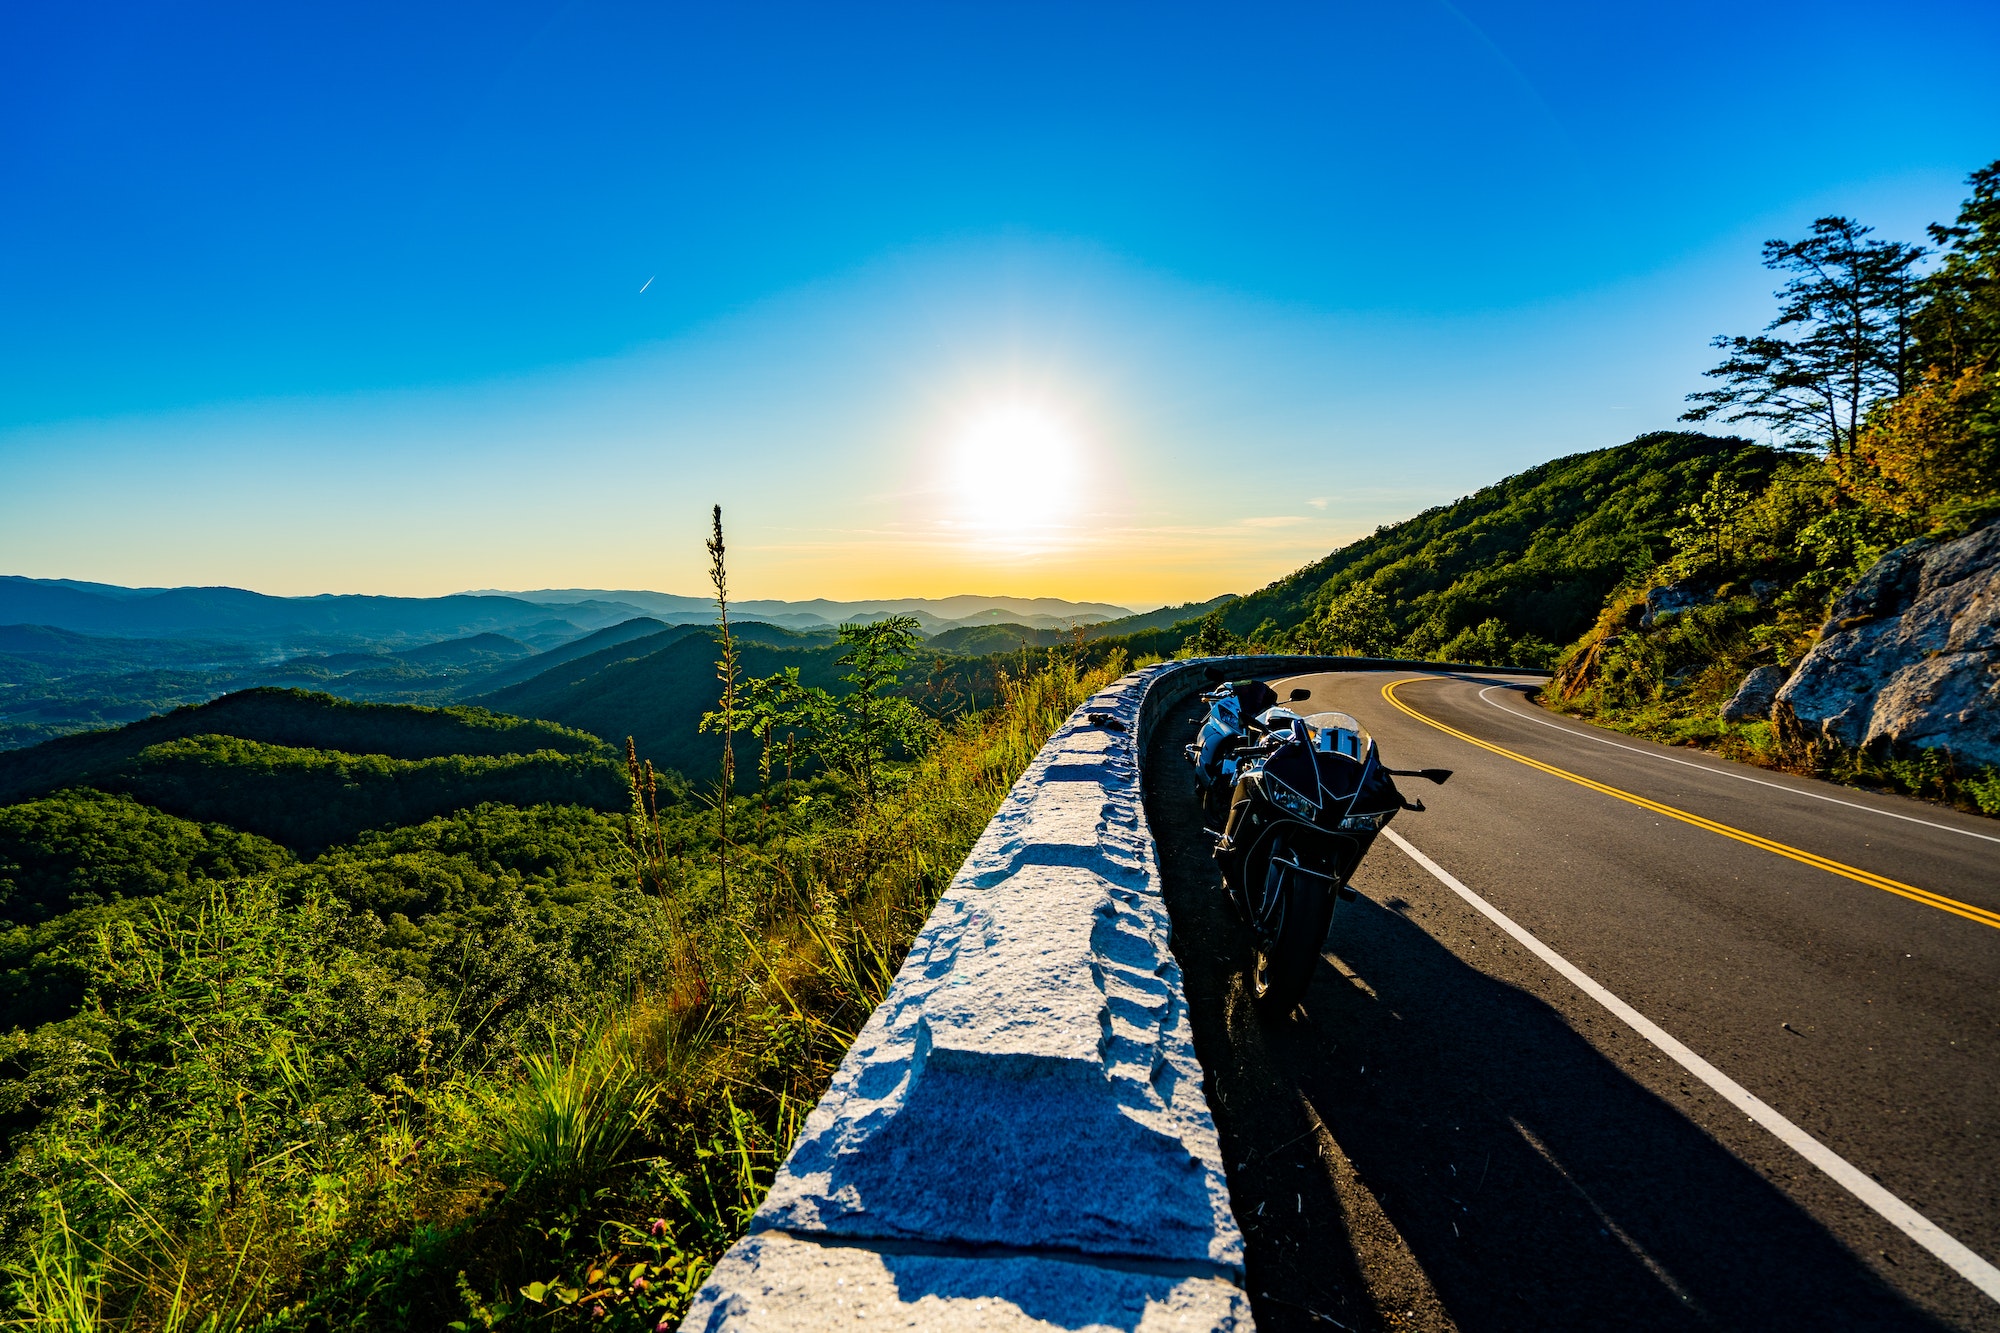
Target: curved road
1485,1138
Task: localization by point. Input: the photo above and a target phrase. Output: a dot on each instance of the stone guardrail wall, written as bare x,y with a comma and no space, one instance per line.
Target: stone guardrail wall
1019,1138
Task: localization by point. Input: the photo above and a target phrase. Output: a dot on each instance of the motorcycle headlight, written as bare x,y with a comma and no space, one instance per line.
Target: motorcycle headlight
1287,799
1365,823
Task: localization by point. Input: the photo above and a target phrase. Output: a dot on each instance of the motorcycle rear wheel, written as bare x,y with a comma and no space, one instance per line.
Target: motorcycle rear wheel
1280,973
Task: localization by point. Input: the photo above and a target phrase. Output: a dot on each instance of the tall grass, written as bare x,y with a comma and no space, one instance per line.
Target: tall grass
58,1286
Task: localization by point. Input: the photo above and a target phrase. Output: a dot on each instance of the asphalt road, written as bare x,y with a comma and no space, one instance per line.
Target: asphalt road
1450,1132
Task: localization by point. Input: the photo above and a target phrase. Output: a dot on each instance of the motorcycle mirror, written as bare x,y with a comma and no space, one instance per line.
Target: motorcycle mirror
1437,775
1301,694
1214,674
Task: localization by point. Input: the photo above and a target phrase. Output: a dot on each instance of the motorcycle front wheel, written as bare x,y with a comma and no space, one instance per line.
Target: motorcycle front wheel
1301,909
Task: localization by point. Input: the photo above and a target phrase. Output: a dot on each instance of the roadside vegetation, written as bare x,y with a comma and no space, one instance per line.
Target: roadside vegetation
1884,380
520,1064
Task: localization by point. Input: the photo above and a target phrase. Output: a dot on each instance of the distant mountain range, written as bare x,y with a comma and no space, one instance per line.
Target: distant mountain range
539,619
935,614
75,656
235,614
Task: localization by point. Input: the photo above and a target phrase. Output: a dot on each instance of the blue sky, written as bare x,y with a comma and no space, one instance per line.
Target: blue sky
350,298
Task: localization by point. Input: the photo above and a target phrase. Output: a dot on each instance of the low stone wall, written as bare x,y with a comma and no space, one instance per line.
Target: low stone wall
1019,1138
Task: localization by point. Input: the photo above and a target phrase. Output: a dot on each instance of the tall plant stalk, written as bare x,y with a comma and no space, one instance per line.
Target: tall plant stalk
725,671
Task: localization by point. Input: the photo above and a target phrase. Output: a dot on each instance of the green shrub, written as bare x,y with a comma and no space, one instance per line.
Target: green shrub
571,1113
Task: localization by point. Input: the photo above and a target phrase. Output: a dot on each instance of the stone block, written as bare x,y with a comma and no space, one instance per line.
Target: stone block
774,1283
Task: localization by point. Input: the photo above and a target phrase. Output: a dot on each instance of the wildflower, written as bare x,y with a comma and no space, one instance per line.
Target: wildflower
597,1311
658,1229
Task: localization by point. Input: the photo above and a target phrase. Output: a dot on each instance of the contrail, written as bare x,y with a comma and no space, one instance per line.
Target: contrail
649,282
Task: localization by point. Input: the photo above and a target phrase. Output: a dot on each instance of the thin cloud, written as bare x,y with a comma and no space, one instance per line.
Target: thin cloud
1274,521
1317,502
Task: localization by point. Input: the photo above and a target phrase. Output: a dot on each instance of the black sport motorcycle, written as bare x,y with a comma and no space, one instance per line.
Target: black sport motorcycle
1301,797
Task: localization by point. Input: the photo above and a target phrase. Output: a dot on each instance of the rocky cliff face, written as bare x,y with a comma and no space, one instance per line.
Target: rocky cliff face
1910,657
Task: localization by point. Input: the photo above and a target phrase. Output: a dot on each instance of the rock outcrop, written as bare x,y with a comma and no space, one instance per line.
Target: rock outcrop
1909,659
1671,599
1754,697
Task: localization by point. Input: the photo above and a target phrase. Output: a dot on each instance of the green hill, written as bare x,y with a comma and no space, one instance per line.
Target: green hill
310,799
1163,618
513,673
658,698
80,849
474,651
290,718
982,640
1509,573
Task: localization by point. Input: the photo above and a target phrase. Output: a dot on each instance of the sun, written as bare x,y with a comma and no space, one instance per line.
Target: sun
1016,470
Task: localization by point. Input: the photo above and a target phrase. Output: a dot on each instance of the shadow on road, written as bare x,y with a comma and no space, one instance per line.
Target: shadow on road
1533,1182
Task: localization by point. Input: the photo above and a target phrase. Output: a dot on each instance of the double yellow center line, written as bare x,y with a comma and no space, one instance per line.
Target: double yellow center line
1817,862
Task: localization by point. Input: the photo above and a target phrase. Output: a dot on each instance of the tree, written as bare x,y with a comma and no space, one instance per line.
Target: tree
1933,454
1958,327
1212,639
772,704
1710,535
1356,622
879,722
1841,342
856,732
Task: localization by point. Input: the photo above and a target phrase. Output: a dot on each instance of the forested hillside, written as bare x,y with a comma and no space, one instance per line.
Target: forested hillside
1163,618
294,719
983,640
604,640
1508,574
309,770
57,681
656,689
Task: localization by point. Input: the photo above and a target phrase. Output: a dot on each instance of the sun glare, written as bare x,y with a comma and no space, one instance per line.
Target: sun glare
1017,471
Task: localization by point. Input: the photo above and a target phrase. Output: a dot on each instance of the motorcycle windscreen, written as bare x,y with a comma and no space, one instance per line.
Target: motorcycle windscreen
1338,733
1340,747
1277,718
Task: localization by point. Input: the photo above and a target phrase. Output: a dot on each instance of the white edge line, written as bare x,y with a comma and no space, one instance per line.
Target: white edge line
1849,1177
1723,772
